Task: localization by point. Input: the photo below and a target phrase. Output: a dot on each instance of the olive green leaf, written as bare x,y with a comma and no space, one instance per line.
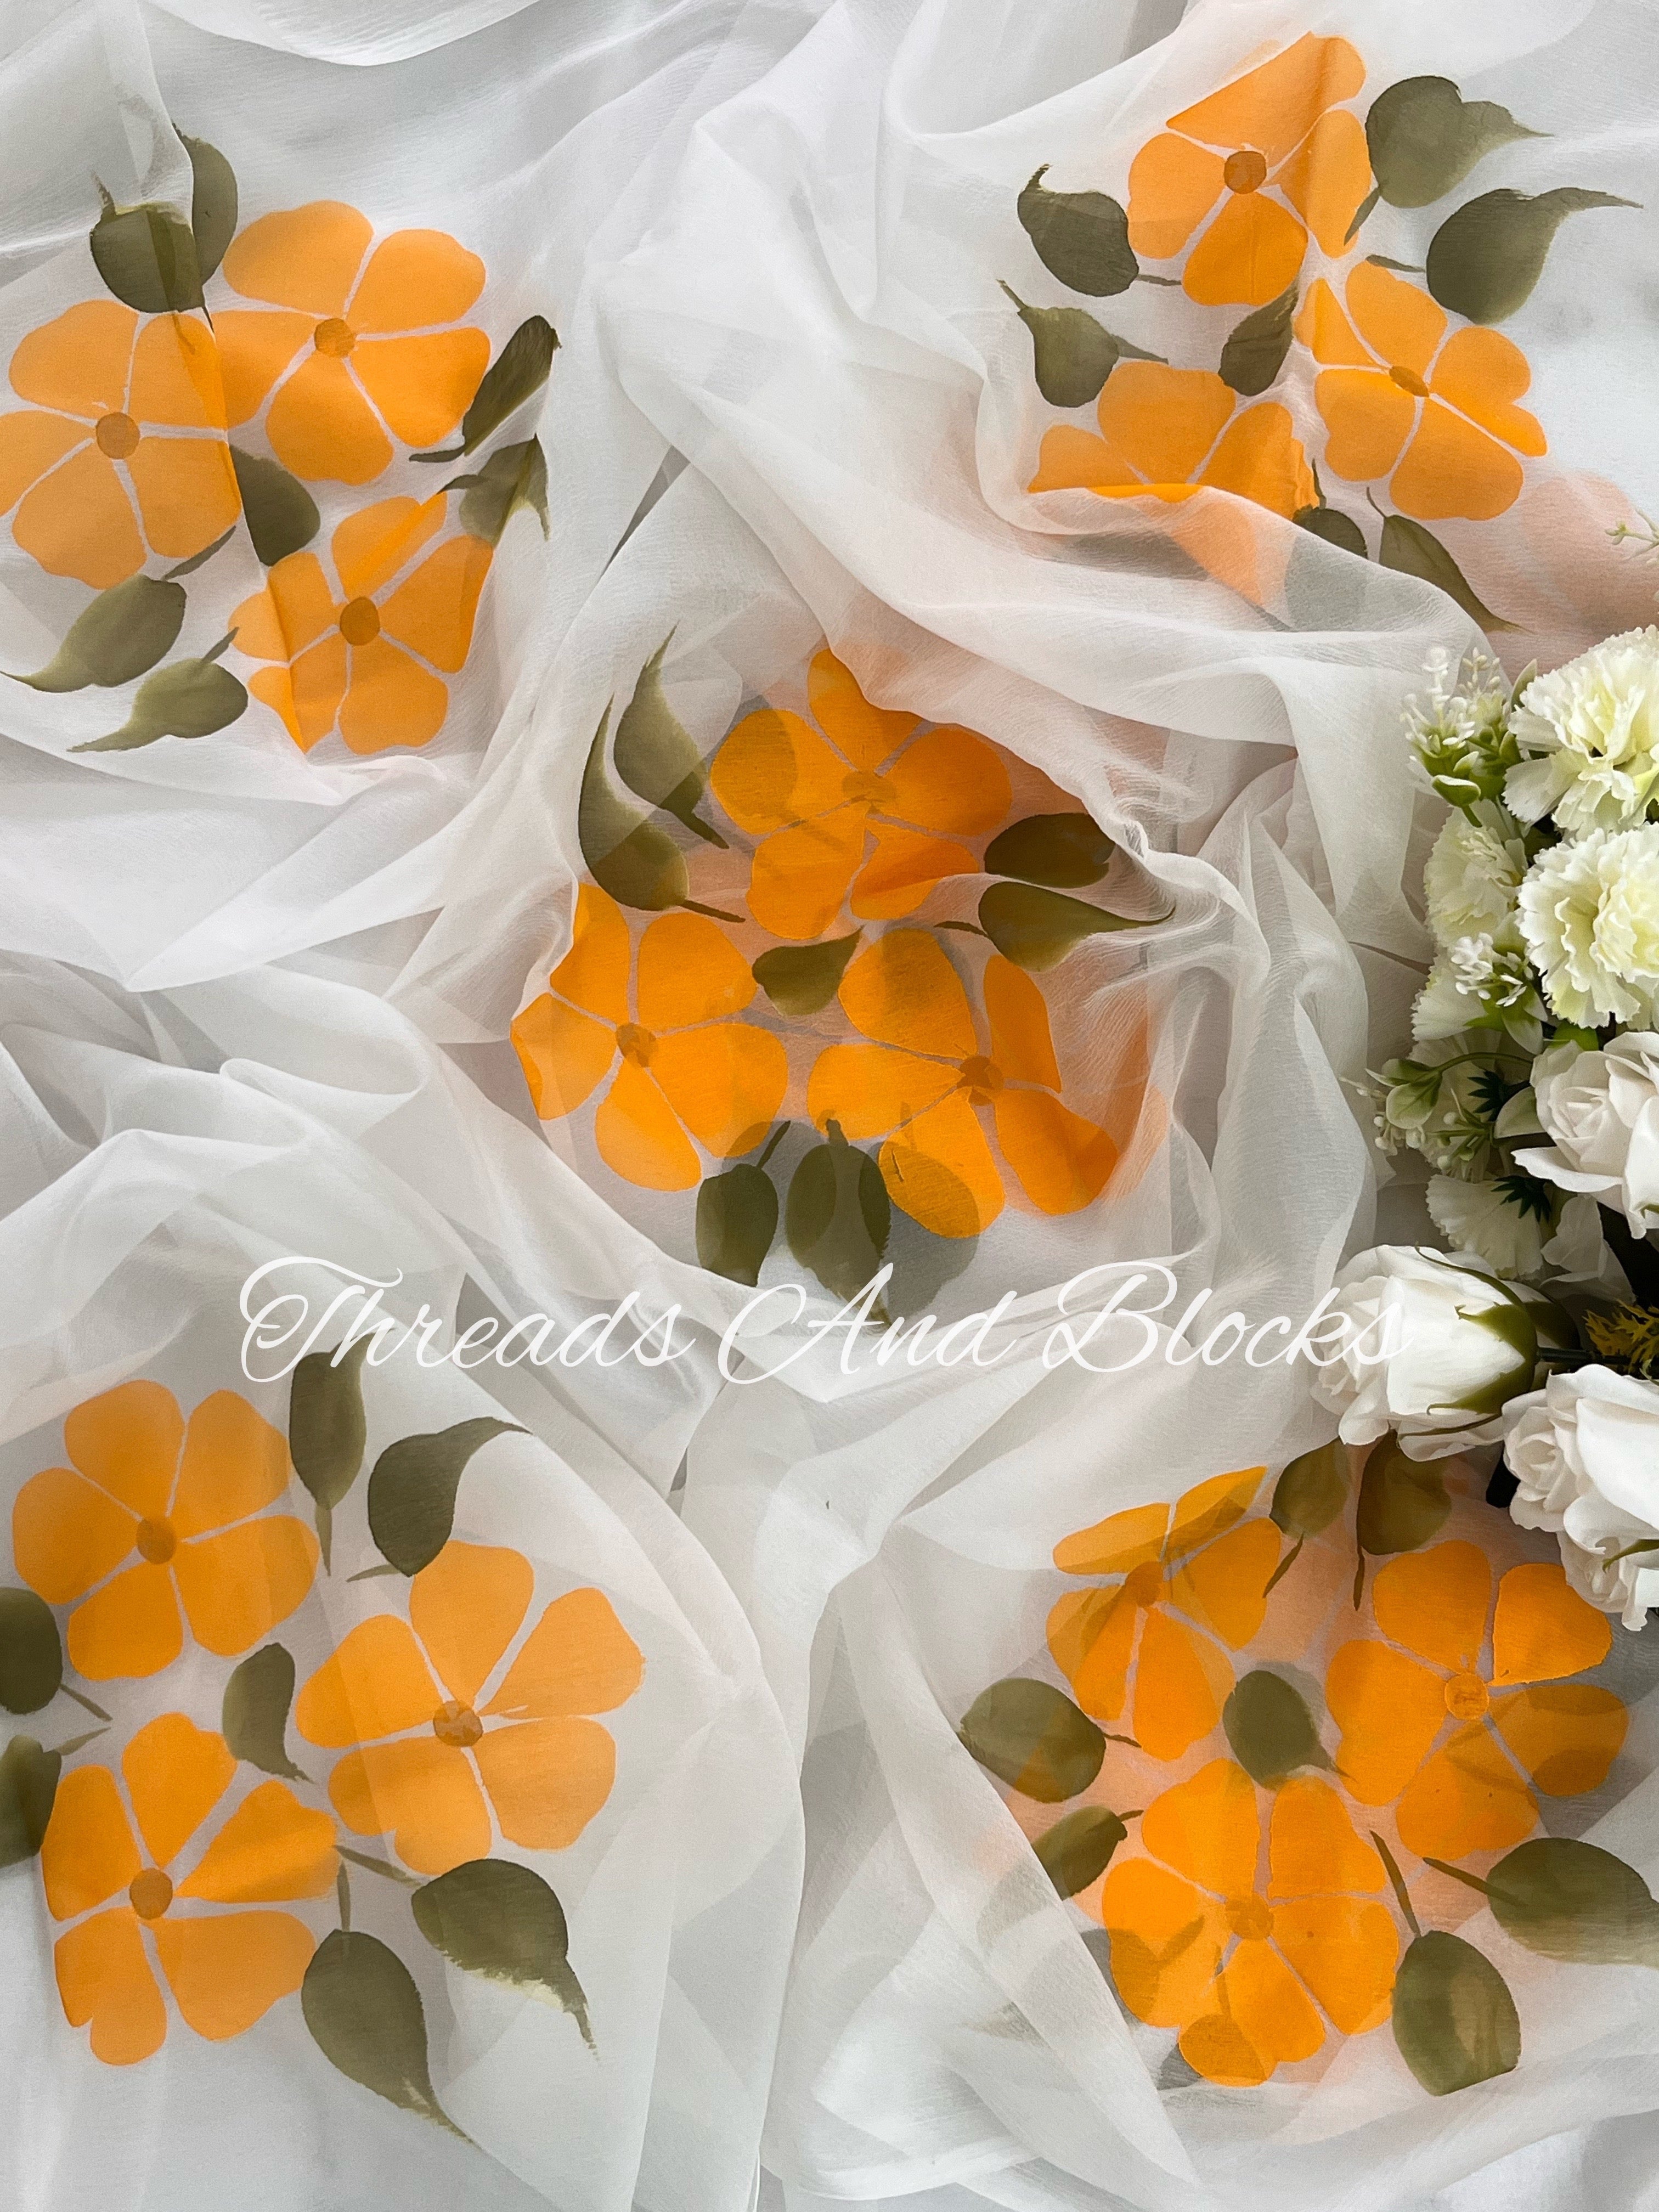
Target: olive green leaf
412,1491
1333,526
213,204
1308,1496
491,1917
1082,238
512,477
1078,1848
281,514
802,979
28,1788
1402,1503
191,699
737,1220
1454,2017
366,2017
1256,347
1415,552
31,1652
121,635
639,865
1270,1728
519,369
254,1717
1033,1737
1035,927
1061,850
1073,354
1424,138
1573,1900
1484,260
837,1215
328,1429
146,256
655,755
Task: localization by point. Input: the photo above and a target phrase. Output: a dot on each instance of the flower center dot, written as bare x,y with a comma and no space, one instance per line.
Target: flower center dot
1244,172
1144,1586
149,1894
1250,1919
116,435
1409,380
334,338
636,1045
865,784
360,622
456,1724
981,1079
156,1542
1467,1696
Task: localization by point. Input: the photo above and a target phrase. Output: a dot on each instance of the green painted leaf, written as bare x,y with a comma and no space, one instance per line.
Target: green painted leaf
737,1220
1454,2017
639,865
412,1491
31,1652
1078,1848
1073,354
837,1215
253,1716
121,635
655,755
1312,1490
1484,260
366,2017
491,1917
1333,526
328,1429
29,1789
1573,1900
1415,552
1270,1728
147,257
1082,238
213,204
1061,850
1256,347
1402,1502
1035,927
1424,138
1031,1736
512,477
802,979
519,370
191,699
281,514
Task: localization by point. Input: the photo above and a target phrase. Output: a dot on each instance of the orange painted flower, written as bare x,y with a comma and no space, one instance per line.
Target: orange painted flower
1456,1740
225,1969
360,653
814,799
1168,432
1245,1965
925,1078
152,1516
681,1062
432,1757
1397,394
123,449
356,343
1191,1578
1251,170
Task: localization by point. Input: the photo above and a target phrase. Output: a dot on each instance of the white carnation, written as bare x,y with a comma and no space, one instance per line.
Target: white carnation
1589,912
1592,730
1471,880
1601,1110
1584,1452
1491,1219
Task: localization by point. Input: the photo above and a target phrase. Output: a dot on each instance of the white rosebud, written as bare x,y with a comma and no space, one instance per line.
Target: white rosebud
1584,1452
1592,730
1601,1110
1589,912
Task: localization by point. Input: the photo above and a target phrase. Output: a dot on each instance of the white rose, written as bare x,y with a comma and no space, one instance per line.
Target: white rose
1601,1111
1457,1345
1584,1452
1589,912
1471,880
1491,1219
1592,727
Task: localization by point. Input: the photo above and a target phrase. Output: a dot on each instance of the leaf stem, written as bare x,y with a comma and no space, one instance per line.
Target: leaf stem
200,560
1173,284
1473,1880
1285,1563
971,928
369,1574
715,913
773,1142
375,1866
1358,1581
97,1711
343,1899
76,1743
1399,1881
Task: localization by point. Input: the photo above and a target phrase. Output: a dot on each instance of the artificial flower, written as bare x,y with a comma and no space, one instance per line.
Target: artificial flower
1589,912
1600,1112
1476,984
1167,433
1460,731
1471,878
1505,1220
1584,1452
1588,734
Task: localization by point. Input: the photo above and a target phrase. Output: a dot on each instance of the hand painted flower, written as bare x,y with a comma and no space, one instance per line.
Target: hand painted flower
446,1730
1590,731
1589,912
360,654
1251,170
152,1517
225,1969
1398,395
1168,432
1462,1721
1601,1113
681,1062
1584,1451
126,454
814,800
1250,1972
354,343
923,1081
1193,1577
